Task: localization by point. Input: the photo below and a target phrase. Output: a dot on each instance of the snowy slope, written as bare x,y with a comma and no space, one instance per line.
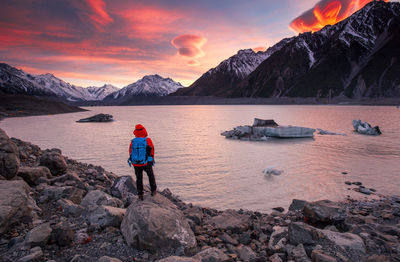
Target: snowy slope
357,57
151,85
13,80
220,80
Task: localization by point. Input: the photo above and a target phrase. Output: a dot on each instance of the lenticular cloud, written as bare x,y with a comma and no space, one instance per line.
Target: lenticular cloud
326,12
190,46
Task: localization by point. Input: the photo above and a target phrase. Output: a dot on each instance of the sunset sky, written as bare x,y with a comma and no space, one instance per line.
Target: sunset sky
92,42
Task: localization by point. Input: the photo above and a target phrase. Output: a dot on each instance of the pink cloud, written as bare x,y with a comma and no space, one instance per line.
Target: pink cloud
190,46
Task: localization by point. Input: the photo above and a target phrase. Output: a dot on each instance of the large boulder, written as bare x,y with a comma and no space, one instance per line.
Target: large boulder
32,174
15,202
324,211
105,216
54,161
9,157
97,197
157,224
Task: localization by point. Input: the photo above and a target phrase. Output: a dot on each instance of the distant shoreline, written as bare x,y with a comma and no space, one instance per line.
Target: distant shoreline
16,105
208,100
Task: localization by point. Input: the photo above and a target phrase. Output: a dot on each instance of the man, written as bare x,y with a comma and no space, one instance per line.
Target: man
141,155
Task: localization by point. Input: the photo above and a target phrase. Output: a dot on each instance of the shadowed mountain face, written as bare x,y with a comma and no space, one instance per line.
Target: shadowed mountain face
358,57
220,80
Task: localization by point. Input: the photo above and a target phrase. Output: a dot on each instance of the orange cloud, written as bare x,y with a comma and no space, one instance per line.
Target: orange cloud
259,49
326,12
190,46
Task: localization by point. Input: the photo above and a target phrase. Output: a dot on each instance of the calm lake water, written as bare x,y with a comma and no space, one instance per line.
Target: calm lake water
197,163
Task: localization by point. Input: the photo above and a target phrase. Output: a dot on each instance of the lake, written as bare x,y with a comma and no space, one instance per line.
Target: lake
200,165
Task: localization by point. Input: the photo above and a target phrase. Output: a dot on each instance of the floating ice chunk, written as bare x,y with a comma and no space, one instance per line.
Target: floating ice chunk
324,132
272,171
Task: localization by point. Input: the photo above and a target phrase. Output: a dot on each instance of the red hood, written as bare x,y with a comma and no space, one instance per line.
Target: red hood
140,131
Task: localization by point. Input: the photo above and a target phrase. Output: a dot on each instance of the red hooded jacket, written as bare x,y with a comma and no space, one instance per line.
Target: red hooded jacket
140,131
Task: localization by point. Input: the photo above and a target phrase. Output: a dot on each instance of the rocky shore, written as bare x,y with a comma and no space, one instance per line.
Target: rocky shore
53,208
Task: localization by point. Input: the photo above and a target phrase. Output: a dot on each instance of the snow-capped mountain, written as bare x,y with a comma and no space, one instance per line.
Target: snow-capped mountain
358,57
16,81
151,85
101,92
219,80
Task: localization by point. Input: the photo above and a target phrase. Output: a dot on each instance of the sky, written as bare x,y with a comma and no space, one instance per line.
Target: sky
93,42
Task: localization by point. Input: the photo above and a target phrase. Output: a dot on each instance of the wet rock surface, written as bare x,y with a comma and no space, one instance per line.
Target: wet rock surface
97,118
88,214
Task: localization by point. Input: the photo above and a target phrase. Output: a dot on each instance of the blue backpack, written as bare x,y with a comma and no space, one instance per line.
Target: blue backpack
139,152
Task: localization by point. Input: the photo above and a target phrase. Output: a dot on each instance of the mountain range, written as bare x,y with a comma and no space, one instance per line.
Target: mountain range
356,58
15,81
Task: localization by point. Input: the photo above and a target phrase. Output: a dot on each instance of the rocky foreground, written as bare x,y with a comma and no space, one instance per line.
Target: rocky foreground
56,209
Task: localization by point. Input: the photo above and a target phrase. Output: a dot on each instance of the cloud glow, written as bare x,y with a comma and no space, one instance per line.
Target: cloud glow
326,12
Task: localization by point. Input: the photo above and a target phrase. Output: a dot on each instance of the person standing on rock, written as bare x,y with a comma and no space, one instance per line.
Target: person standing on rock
141,155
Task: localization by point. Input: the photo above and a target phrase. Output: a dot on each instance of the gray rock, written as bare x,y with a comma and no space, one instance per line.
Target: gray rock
70,175
31,174
211,255
156,224
300,233
69,208
246,253
300,254
54,161
105,216
108,259
324,211
123,186
54,193
35,255
229,219
9,156
62,234
39,235
334,244
278,238
319,256
95,198
275,258
97,118
228,239
15,202
297,205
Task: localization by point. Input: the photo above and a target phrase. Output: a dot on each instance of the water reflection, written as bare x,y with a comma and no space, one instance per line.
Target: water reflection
196,162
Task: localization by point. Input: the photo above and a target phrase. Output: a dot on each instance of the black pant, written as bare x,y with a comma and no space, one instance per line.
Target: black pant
139,177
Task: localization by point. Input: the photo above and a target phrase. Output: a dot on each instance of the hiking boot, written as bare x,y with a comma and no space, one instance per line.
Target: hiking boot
153,193
141,197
